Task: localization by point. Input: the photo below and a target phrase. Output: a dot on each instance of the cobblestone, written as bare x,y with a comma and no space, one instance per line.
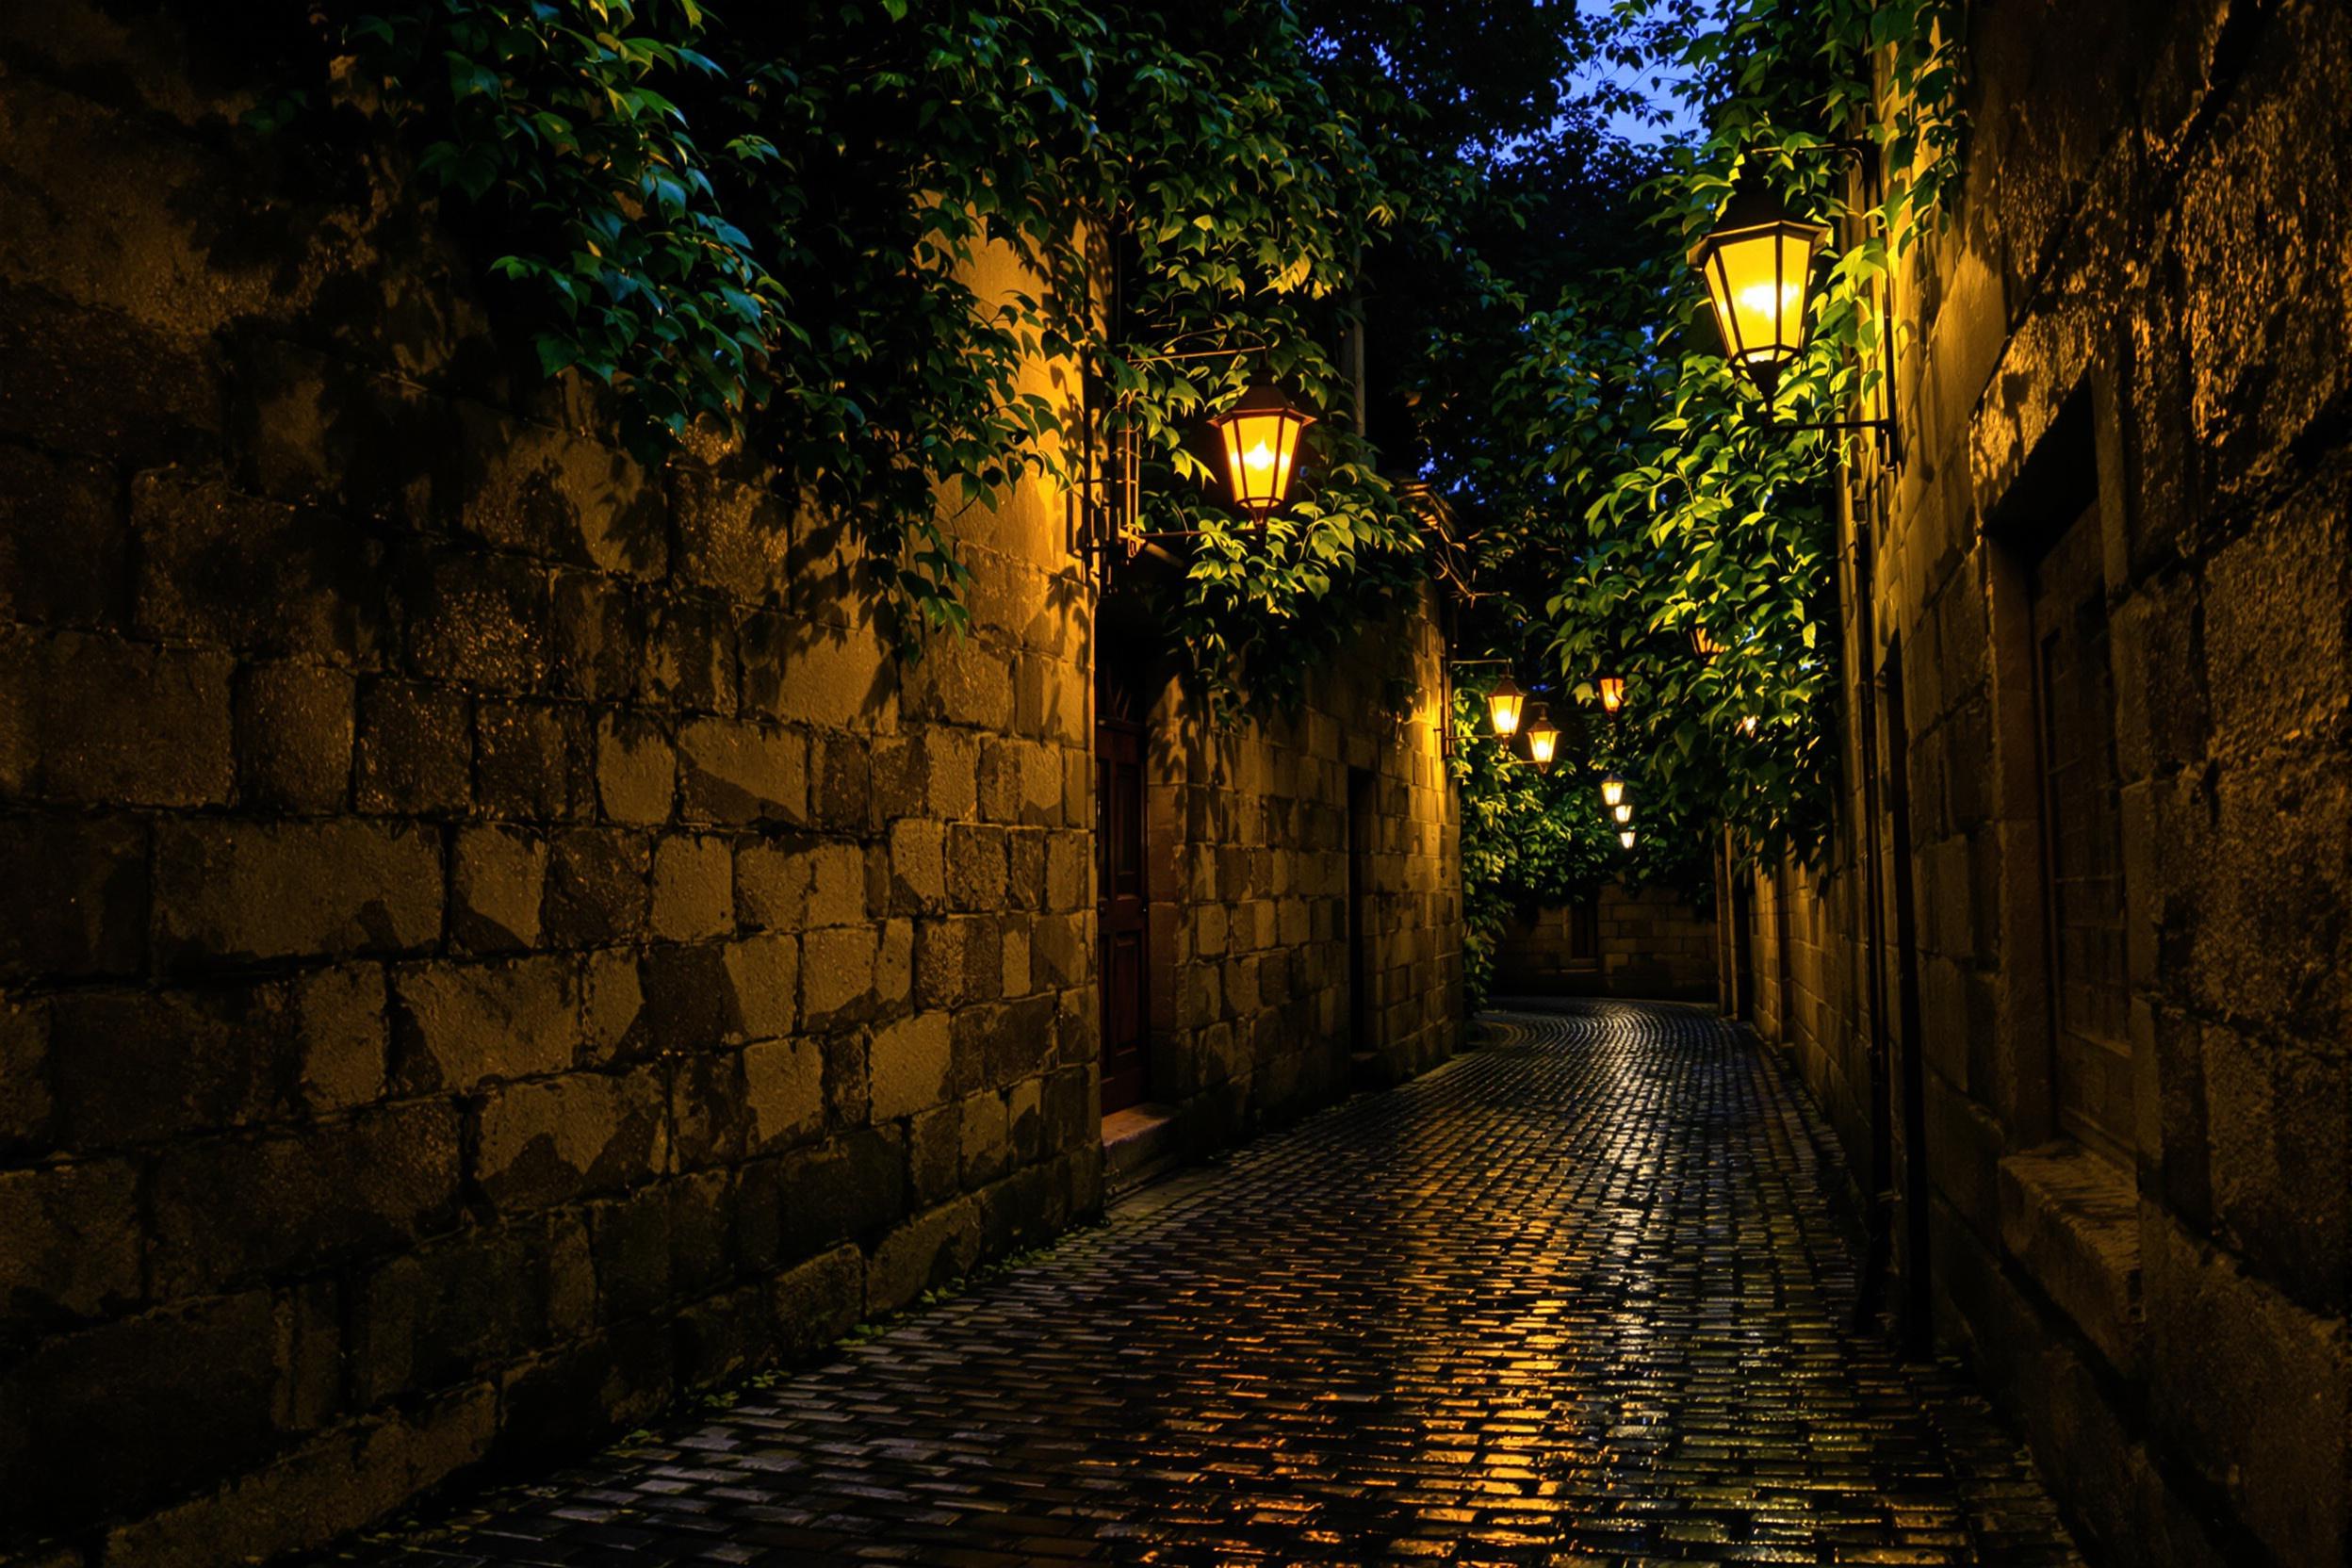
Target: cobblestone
1578,1298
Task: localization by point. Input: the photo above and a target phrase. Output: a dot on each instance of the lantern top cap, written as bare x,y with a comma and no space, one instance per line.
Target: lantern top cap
1507,687
1755,207
1260,399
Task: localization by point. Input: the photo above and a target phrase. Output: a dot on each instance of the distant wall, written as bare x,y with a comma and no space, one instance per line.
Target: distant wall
1624,942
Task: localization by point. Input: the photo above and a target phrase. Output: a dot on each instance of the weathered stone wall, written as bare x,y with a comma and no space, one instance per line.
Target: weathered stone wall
489,937
2138,328
1251,1018
1641,942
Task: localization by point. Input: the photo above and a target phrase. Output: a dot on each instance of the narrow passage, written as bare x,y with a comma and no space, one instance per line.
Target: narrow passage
1577,1298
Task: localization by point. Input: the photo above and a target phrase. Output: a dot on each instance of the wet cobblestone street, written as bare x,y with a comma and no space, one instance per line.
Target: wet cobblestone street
1579,1298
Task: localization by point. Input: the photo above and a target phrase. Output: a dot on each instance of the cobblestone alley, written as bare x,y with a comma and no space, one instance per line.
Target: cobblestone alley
1578,1298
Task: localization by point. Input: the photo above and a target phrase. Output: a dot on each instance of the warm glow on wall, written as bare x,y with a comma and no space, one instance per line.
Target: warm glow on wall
1542,736
1260,436
1757,264
1504,702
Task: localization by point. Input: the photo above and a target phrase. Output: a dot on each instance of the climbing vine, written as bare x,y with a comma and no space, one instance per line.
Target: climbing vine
1645,486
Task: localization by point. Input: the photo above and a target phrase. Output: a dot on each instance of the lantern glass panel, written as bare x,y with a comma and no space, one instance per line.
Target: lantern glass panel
1612,692
1260,436
1543,737
1612,790
1625,838
1623,810
1503,703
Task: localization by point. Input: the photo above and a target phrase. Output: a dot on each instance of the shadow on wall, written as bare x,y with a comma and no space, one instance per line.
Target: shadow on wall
1620,942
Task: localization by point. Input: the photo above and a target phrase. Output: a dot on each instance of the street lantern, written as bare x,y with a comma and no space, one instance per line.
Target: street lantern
1747,726
1612,790
1260,439
1622,812
1543,737
1757,264
1505,702
1612,690
1625,838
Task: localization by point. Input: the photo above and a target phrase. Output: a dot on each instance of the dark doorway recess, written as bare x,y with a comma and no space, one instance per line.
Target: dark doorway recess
1124,904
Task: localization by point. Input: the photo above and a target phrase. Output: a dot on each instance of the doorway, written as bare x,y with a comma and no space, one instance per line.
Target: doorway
1123,908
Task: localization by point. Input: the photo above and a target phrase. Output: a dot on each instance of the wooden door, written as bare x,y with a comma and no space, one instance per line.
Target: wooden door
1123,938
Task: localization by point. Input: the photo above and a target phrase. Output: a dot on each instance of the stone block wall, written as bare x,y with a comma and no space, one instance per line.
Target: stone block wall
2137,321
491,938
1253,832
1643,942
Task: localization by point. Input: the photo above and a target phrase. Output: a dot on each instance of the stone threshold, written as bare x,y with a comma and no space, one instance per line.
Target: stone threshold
1140,1145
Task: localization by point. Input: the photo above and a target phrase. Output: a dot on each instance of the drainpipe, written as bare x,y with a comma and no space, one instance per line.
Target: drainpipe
1880,1224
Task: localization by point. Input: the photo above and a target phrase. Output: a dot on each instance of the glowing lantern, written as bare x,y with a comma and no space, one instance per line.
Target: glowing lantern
1622,812
1747,726
1758,263
1612,790
1705,642
1261,437
1543,737
1625,838
1612,692
1505,702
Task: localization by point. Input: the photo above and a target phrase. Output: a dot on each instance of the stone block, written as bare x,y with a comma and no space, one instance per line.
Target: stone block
549,493
732,538
26,1100
837,884
908,1063
933,1248
457,1026
72,896
1025,1120
636,769
849,1188
721,1337
2071,1221
599,888
840,784
498,885
609,1381
962,681
550,1142
714,995
613,1023
731,772
838,974
629,1240
818,1301
694,888
976,868
534,761
595,637
805,671
329,1486
690,655
709,1113
477,619
64,546
235,891
138,1067
70,1241
986,1144
459,1304
935,1155
177,1399
340,1016
770,885
228,570
2256,1391
294,736
230,1208
96,383
918,859
415,751
93,720
783,1093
